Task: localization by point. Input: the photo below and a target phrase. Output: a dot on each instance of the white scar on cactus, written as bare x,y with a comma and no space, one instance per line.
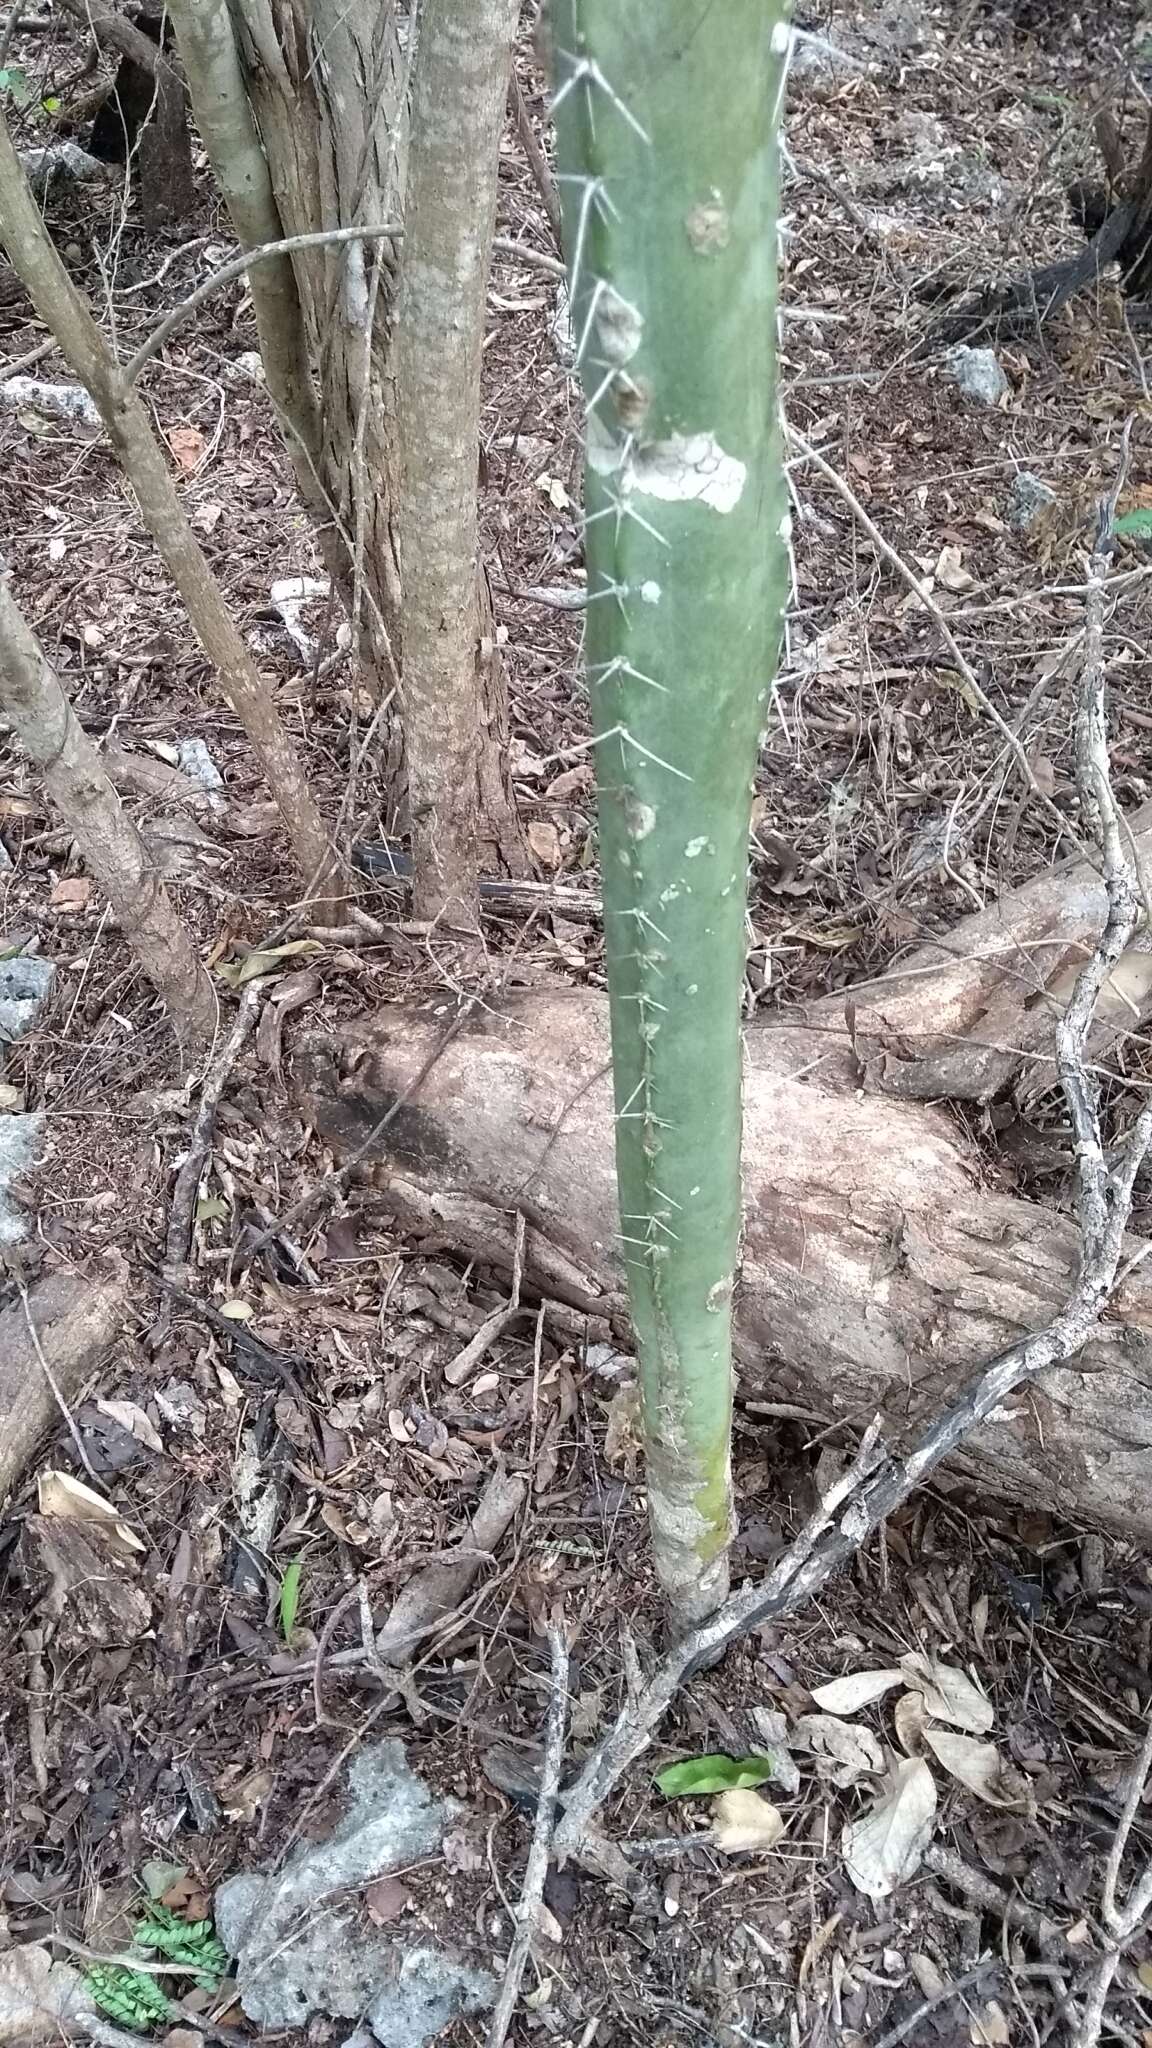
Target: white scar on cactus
684,469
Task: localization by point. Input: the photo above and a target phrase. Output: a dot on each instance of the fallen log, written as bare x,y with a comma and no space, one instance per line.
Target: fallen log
882,1263
972,1014
69,1323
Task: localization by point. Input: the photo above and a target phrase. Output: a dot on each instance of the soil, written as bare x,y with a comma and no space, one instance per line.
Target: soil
296,1402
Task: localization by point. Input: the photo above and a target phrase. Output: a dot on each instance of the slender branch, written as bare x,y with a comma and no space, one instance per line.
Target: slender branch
236,267
108,25
537,161
182,1214
540,1851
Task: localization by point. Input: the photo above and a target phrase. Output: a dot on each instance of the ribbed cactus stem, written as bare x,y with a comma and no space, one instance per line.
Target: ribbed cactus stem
666,113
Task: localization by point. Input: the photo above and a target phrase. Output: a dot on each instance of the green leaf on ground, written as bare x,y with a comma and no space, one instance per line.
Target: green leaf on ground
699,1775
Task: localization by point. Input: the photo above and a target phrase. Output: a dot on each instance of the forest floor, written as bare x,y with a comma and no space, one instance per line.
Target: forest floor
297,1419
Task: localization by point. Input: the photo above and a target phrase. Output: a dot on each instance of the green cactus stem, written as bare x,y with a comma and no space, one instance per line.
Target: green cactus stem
666,116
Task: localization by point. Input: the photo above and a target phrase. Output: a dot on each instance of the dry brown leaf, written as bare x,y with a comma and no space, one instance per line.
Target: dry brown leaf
842,1751
949,1694
885,1846
910,1716
386,1899
742,1820
544,840
949,571
134,1420
572,780
858,1689
243,1800
979,1766
187,445
73,893
58,1494
990,2028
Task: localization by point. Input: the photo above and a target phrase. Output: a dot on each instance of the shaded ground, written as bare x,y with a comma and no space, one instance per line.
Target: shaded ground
343,1438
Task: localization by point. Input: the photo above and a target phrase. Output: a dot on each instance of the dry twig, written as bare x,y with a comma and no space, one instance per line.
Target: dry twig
540,1851
182,1216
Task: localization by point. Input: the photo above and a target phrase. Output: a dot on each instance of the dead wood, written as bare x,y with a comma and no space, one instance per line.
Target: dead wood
880,1267
76,1321
972,1014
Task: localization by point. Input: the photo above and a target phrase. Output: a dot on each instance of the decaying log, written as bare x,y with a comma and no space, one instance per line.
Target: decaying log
971,1014
882,1264
76,1321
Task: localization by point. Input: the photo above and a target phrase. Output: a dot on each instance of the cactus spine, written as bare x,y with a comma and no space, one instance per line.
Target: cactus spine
666,114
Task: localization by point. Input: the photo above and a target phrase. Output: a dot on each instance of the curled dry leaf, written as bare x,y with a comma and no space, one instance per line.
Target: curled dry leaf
134,1420
949,1694
69,1499
885,1846
858,1689
979,1766
742,1820
911,1718
842,1751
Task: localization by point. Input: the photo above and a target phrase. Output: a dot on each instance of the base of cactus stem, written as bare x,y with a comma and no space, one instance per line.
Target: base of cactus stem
691,1595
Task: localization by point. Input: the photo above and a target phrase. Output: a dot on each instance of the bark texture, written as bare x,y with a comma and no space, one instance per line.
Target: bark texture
76,1323
882,1262
328,83
81,790
459,93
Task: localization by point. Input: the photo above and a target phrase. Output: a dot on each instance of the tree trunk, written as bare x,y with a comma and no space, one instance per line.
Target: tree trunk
880,1266
81,790
458,99
328,83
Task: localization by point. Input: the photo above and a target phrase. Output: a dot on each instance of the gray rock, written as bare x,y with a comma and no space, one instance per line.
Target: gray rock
977,374
300,1950
20,1138
430,1990
25,986
1028,501
197,763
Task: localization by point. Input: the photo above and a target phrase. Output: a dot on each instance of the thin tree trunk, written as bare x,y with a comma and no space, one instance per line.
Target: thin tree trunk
328,81
228,130
130,431
81,790
458,100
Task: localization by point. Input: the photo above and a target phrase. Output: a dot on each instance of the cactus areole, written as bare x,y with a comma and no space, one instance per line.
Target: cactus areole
666,115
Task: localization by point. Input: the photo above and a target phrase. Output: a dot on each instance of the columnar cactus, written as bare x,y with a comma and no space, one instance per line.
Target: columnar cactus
666,116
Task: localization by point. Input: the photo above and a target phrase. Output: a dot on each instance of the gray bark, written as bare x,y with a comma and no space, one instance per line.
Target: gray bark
328,82
79,786
76,1322
459,94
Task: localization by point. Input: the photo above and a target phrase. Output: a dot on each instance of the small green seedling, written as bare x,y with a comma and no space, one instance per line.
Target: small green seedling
290,1598
133,1998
